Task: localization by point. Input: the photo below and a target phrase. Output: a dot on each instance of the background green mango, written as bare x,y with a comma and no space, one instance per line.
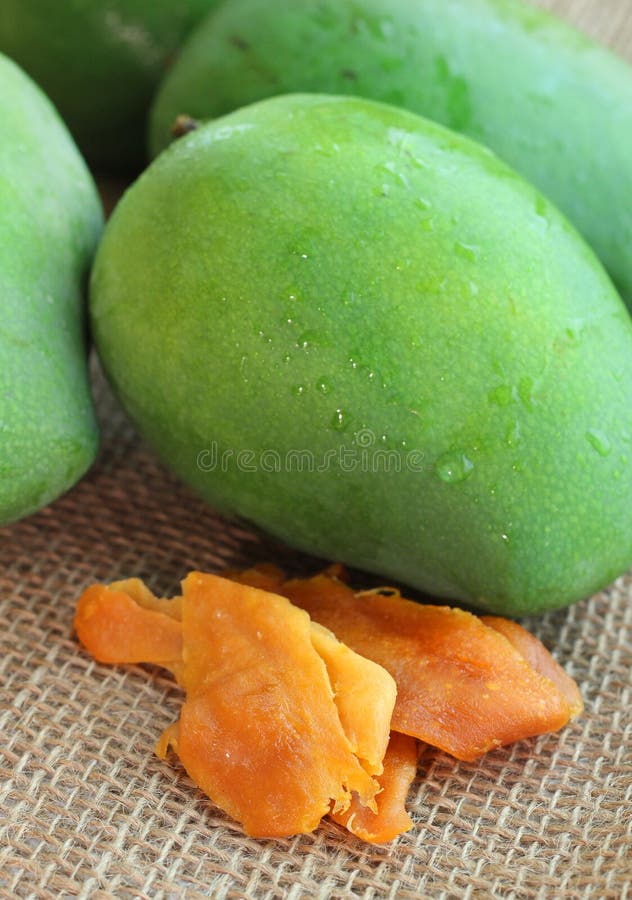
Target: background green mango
50,221
553,104
370,337
99,61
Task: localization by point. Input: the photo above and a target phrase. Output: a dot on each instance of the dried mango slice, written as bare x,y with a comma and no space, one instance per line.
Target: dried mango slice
264,575
283,722
539,659
138,591
364,694
259,731
461,685
391,819
112,625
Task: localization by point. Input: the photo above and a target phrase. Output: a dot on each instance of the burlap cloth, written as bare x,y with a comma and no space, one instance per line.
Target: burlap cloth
87,810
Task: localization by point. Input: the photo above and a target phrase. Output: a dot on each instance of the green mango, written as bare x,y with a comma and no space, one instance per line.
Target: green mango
100,62
367,335
50,222
553,104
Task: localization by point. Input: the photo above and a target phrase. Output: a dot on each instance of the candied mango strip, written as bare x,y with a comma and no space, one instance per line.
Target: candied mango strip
114,628
461,685
391,819
259,732
364,694
119,624
539,658
284,723
265,576
138,591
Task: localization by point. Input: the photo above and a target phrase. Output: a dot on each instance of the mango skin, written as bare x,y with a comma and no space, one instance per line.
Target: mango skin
341,277
550,102
50,221
100,62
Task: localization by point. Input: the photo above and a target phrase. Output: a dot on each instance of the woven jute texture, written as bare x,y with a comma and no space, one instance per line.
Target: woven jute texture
87,810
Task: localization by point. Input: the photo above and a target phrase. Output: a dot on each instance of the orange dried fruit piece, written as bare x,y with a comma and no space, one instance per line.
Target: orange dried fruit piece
439,655
138,591
112,624
264,575
391,819
259,731
461,685
540,659
364,694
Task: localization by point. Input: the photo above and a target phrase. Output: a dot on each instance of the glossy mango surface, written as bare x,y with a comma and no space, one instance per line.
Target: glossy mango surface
50,221
367,335
552,103
100,62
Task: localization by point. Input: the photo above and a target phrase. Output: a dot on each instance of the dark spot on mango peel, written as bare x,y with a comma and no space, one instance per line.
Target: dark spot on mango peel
239,42
183,125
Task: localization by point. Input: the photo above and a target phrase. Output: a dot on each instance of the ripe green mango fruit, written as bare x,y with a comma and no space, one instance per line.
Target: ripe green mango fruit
100,62
367,335
553,104
50,221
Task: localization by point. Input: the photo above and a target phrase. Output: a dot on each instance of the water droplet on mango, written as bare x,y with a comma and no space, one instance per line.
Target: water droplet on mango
502,395
598,441
339,420
466,251
454,467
